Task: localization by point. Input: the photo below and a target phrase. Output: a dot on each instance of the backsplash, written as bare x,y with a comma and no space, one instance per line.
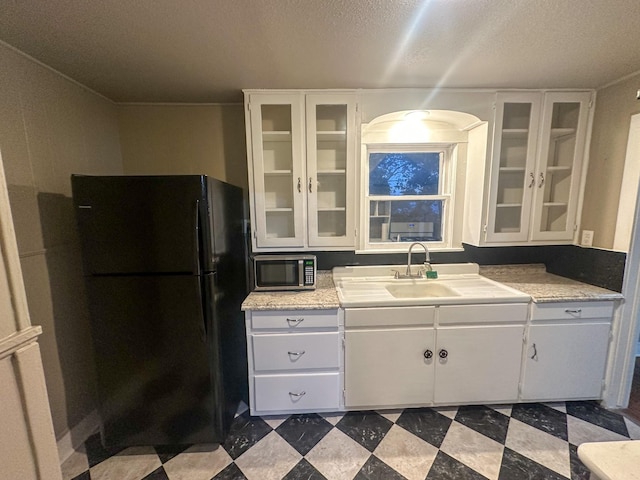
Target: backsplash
603,268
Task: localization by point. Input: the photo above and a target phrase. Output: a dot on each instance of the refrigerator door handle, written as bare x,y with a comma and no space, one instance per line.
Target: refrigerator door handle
196,238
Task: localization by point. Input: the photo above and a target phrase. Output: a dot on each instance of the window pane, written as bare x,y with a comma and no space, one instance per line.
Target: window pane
406,221
398,173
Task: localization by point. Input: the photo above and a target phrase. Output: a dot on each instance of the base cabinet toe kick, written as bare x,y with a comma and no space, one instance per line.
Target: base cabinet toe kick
315,361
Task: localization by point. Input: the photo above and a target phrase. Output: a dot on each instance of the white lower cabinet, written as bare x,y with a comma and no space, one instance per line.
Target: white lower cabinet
566,351
295,361
396,357
478,364
389,367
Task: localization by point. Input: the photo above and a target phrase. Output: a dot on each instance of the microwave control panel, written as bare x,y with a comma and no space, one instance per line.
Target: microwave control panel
309,272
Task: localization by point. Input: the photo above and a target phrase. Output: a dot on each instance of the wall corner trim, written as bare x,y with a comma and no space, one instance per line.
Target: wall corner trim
77,435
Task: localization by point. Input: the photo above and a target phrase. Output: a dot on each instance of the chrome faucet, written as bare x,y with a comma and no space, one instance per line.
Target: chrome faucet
427,260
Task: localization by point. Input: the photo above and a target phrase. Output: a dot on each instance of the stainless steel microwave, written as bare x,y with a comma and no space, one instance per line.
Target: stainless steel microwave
284,272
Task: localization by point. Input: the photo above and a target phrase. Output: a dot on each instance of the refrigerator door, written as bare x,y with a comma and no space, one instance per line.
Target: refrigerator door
143,224
157,360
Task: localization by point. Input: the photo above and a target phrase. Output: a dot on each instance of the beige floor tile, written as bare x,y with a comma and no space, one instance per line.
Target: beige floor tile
581,431
75,464
200,462
449,412
332,418
274,421
132,463
473,449
337,456
539,446
269,459
504,409
391,415
406,453
633,428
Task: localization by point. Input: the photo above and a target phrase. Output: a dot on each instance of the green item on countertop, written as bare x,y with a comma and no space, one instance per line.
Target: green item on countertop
432,274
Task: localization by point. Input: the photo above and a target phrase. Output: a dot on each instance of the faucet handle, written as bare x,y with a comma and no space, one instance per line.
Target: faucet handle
396,274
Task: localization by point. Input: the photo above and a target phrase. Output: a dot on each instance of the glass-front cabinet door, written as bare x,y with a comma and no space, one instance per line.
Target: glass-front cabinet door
564,122
513,166
278,170
330,161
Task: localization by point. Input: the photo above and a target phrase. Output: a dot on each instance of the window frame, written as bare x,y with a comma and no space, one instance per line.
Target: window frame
446,187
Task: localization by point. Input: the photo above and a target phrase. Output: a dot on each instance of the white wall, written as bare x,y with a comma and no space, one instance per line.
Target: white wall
614,106
51,127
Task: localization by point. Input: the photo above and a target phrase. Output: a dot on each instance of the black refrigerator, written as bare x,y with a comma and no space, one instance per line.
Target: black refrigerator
164,259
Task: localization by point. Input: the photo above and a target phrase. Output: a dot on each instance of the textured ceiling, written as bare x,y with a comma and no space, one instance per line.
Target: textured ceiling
208,50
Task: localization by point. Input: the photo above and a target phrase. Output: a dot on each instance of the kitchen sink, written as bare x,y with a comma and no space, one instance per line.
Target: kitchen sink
457,284
420,290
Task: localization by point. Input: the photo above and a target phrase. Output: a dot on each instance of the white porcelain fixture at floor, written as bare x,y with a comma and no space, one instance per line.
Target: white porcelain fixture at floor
370,286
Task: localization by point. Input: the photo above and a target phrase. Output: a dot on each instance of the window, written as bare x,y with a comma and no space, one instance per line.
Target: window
408,195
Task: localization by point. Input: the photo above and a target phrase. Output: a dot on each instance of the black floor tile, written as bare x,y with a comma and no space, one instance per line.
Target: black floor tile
518,467
158,474
96,453
367,428
245,432
232,472
303,432
304,471
425,423
376,469
448,468
542,417
83,476
167,452
578,470
485,420
593,413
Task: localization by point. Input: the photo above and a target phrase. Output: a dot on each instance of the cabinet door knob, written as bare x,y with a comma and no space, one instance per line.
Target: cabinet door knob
428,354
443,353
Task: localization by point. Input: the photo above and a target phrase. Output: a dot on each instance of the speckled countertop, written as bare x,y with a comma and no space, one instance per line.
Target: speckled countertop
533,280
324,296
545,287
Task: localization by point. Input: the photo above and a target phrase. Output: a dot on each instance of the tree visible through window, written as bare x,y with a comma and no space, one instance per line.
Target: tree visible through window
406,197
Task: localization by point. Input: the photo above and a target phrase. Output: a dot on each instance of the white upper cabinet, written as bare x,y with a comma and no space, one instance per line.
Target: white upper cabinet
330,162
513,172
301,150
275,137
538,150
562,145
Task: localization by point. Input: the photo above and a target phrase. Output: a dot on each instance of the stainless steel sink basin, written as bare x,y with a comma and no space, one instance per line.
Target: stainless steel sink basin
424,289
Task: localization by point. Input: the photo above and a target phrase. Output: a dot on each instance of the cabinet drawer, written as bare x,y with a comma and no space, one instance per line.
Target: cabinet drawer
510,312
379,317
571,310
293,319
289,351
296,392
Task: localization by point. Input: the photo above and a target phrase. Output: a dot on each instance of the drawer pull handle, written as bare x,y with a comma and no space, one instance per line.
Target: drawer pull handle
294,321
535,353
577,311
297,395
297,354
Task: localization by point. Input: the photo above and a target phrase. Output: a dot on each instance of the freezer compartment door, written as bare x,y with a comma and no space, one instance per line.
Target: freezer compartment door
155,366
142,224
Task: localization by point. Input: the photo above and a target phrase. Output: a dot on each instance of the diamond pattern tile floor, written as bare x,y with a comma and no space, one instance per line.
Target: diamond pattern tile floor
523,441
